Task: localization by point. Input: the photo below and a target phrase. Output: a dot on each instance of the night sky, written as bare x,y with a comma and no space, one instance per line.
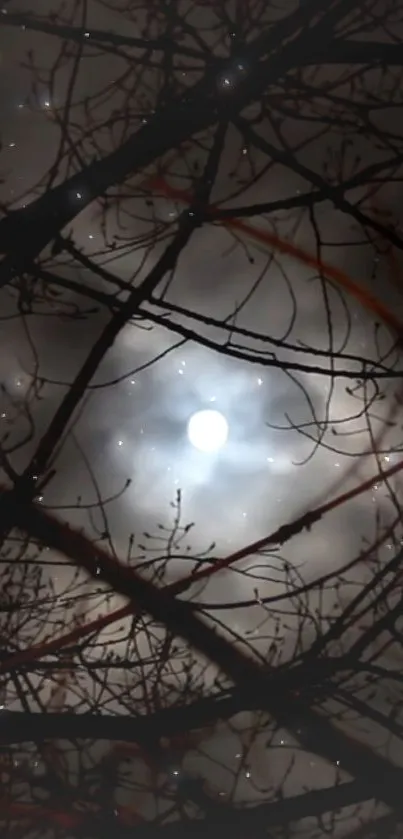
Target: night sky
132,424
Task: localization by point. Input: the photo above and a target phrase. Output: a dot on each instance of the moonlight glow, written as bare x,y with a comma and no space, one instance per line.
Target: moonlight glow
208,431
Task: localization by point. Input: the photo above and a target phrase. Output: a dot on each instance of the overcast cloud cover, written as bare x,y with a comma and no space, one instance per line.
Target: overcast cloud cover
137,428
133,422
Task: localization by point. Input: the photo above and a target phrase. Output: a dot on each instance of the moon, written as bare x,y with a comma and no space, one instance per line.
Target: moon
208,431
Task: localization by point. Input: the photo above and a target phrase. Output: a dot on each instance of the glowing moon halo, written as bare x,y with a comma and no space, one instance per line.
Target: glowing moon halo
208,431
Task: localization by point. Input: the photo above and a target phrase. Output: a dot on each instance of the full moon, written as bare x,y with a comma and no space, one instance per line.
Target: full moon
208,431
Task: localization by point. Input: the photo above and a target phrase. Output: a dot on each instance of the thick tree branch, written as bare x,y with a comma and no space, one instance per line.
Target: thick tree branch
346,51
95,37
254,821
196,110
311,729
269,360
